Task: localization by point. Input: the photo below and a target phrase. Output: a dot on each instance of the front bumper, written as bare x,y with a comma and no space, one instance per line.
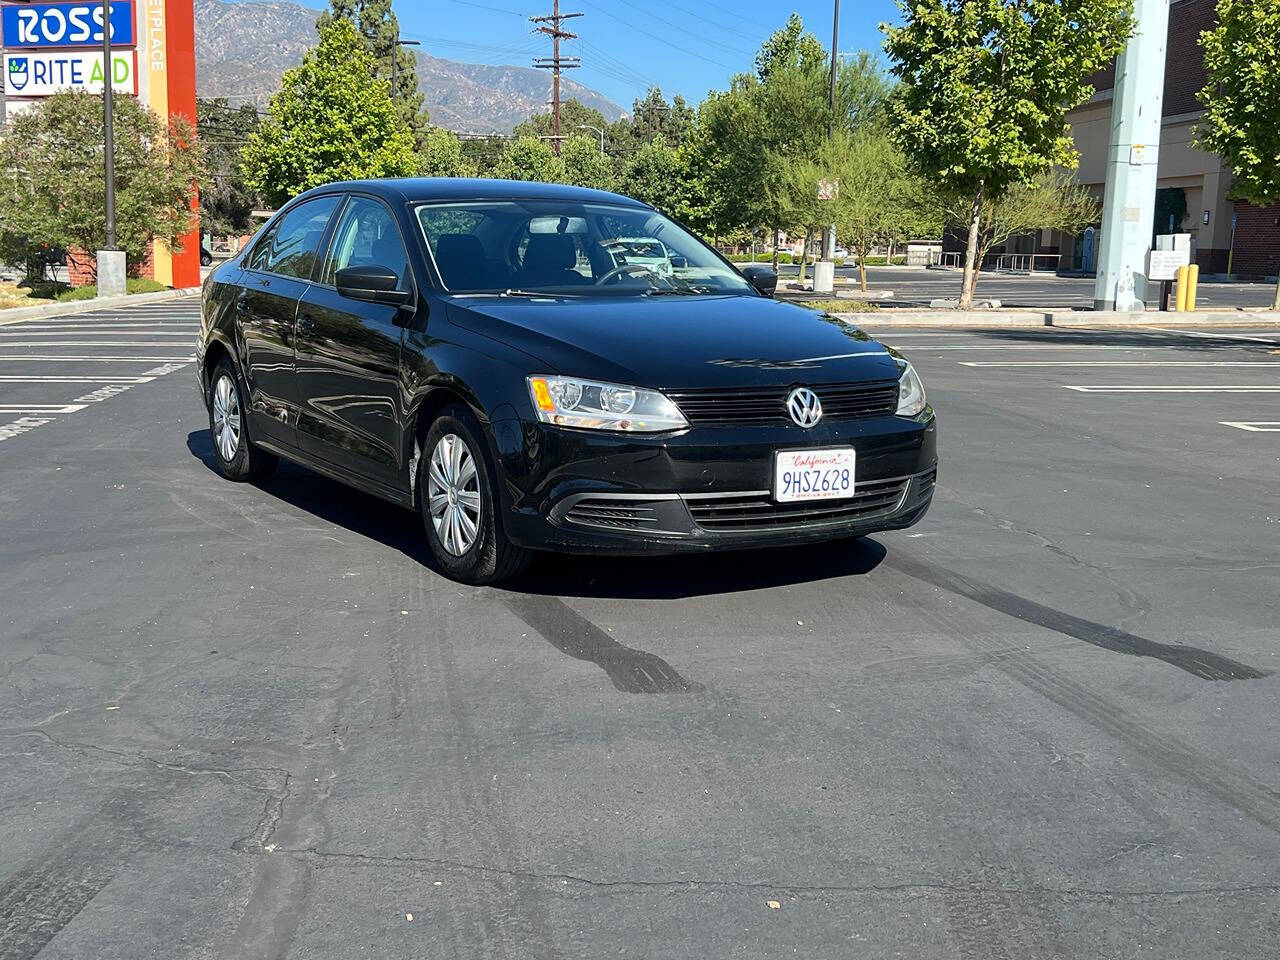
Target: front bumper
705,489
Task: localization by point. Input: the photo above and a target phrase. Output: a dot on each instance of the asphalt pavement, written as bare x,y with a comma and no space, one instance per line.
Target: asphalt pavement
916,286
246,722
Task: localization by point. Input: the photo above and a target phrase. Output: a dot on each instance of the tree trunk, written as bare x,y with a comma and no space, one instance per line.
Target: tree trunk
1276,305
804,252
971,265
862,269
775,249
888,261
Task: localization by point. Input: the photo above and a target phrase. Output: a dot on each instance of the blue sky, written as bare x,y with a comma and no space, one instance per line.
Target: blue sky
687,48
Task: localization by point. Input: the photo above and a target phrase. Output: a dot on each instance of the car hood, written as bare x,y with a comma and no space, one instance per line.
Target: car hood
679,341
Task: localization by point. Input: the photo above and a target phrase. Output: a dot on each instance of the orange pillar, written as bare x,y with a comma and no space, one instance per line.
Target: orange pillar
180,44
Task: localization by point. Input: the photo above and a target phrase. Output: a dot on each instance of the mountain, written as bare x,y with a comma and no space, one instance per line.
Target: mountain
242,49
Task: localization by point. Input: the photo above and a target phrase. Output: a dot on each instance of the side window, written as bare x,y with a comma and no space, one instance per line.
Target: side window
366,237
261,253
297,238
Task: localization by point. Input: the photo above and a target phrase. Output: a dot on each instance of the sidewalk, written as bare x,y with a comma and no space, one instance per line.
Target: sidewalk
18,314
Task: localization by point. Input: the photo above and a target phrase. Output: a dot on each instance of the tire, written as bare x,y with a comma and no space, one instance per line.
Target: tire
455,465
236,456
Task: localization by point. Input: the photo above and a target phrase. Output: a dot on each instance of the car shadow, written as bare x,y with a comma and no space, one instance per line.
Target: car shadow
564,575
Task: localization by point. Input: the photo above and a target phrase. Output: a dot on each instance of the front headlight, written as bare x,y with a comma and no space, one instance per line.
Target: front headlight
910,392
568,402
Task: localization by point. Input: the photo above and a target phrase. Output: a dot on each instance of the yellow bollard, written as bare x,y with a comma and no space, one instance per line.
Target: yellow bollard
1193,281
1180,302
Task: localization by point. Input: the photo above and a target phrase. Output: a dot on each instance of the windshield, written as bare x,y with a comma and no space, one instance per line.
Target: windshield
580,249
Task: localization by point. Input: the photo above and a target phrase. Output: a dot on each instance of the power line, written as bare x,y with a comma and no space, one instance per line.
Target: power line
659,37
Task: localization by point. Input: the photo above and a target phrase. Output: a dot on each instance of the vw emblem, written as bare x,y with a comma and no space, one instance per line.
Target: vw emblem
804,406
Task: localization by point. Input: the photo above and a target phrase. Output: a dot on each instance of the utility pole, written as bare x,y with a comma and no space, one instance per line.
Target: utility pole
111,261
555,63
1128,211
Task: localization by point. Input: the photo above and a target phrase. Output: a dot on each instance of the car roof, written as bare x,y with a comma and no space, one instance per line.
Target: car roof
427,189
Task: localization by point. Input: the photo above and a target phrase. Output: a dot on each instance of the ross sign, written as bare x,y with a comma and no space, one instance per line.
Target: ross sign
828,189
40,74
1164,264
65,24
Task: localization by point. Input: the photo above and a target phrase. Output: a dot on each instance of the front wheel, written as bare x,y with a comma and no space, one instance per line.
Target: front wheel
236,457
456,484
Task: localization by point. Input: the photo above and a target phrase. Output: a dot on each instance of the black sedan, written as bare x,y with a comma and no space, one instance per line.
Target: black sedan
497,356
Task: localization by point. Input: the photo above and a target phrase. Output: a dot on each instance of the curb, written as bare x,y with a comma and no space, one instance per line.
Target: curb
18,314
1058,318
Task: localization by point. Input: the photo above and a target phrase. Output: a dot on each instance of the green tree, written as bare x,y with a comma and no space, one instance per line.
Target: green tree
655,175
328,122
880,199
226,199
380,32
984,86
573,114
441,155
650,118
53,194
1053,201
528,158
584,164
1241,120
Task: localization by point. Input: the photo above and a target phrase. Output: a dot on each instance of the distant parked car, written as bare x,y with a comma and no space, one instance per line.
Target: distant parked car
473,350
642,251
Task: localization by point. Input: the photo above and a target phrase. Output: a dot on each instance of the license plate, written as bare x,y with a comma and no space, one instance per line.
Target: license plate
813,474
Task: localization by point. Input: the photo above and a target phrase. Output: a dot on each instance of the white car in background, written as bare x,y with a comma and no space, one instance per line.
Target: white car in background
641,251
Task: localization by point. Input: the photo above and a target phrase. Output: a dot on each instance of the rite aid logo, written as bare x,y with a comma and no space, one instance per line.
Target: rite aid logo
804,406
19,73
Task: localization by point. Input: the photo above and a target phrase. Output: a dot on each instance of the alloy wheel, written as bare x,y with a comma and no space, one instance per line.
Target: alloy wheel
453,494
226,418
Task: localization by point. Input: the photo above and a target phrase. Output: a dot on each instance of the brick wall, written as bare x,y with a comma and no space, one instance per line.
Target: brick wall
82,267
1257,241
1184,72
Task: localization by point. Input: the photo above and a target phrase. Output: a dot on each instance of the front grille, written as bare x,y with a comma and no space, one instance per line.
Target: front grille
840,401
612,514
756,511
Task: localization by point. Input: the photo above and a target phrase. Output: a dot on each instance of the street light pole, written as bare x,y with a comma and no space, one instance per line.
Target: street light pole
587,126
395,58
111,265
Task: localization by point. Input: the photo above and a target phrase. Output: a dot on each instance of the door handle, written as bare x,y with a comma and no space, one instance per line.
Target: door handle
307,324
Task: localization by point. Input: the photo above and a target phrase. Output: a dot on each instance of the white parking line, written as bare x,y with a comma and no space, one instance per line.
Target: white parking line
88,343
1254,426
1119,363
24,425
107,331
1214,336
18,378
1165,388
41,408
53,358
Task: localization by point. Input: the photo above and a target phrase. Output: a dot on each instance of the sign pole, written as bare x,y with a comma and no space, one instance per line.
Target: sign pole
111,260
109,144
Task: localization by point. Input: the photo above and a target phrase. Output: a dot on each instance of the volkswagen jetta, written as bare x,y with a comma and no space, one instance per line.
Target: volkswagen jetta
484,352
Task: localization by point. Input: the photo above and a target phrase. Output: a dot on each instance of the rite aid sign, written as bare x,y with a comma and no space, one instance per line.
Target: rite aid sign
65,24
42,74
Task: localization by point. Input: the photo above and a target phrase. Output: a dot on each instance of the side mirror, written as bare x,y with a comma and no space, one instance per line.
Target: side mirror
678,262
372,283
761,277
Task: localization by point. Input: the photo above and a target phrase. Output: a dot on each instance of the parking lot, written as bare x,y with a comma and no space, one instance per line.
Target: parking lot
917,286
242,721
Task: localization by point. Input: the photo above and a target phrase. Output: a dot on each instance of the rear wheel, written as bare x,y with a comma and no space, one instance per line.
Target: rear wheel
236,456
456,484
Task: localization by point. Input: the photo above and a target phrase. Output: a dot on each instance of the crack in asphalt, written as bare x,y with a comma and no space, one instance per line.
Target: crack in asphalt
366,859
